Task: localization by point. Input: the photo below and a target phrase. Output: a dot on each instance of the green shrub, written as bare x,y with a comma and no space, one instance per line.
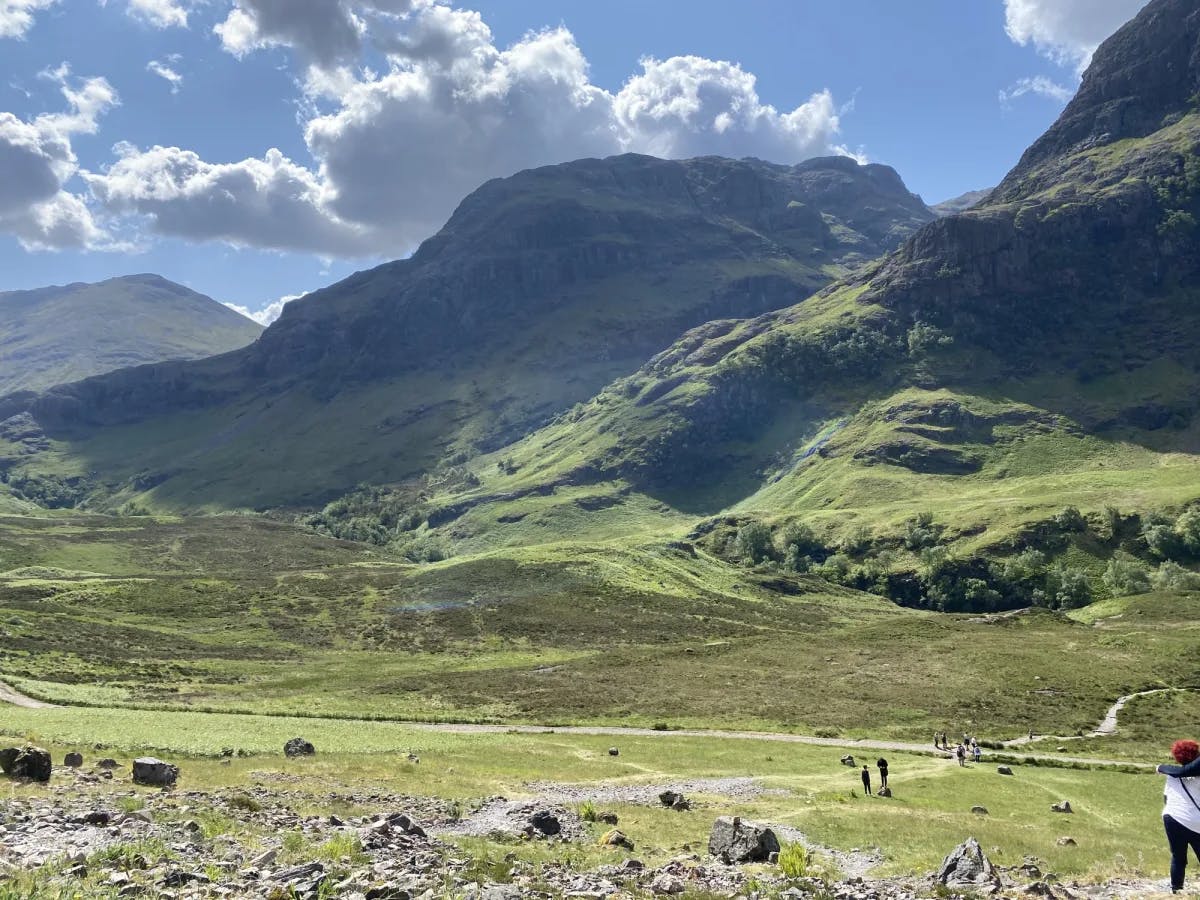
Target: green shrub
1187,526
795,861
588,811
1173,577
1126,578
1070,521
753,542
921,531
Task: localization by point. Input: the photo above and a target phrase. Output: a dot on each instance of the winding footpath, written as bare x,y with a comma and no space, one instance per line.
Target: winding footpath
13,697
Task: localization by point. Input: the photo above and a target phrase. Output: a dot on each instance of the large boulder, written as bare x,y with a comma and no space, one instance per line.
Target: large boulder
73,760
150,771
967,868
298,746
26,763
734,840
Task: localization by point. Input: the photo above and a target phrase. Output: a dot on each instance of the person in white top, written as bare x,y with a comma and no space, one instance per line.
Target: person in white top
1181,812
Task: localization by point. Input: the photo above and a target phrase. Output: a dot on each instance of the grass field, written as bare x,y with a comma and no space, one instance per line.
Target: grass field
241,614
1115,823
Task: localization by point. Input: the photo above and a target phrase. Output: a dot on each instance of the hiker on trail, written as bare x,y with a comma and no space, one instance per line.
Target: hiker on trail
975,751
961,752
937,740
1181,809
866,779
882,764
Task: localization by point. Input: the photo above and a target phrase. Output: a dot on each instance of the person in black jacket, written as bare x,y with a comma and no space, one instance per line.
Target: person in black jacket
882,764
866,779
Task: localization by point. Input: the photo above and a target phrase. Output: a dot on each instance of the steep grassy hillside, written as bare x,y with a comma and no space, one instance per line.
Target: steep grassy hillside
1034,354
54,335
540,289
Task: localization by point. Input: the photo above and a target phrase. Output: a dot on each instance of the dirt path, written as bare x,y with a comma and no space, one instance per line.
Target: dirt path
841,743
1106,728
16,698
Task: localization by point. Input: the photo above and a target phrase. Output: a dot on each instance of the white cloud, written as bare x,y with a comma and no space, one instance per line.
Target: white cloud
327,32
1040,86
1067,31
165,72
268,203
268,313
36,161
399,149
16,16
159,13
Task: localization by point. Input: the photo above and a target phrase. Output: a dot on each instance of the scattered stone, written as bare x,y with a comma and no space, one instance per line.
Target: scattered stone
414,759
298,746
298,872
1067,842
666,884
967,868
736,841
73,760
263,860
1004,770
149,770
608,818
674,800
884,792
979,810
26,763
500,892
613,751
179,878
615,838
99,818
632,865
1063,806
108,764
545,823
848,760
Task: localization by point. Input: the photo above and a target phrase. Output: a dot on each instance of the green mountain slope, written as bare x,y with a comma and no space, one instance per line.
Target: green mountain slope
1037,352
541,289
54,335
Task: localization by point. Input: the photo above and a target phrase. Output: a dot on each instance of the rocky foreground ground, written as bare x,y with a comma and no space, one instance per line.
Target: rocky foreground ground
90,833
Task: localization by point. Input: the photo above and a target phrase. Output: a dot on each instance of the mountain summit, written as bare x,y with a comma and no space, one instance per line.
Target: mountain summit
541,288
54,335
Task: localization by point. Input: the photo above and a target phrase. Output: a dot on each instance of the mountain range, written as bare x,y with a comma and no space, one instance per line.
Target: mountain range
641,350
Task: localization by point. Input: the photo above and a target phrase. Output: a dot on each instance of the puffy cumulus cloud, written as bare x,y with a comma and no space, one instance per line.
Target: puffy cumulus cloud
268,313
327,32
689,106
1067,31
36,161
396,150
268,203
1040,86
16,16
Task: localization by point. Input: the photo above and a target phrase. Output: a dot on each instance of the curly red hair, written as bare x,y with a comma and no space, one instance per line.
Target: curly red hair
1185,751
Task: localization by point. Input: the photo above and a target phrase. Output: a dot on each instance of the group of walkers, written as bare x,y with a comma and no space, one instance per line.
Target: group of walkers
967,748
882,765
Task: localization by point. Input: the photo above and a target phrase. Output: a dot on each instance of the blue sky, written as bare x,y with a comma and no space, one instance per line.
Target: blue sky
257,149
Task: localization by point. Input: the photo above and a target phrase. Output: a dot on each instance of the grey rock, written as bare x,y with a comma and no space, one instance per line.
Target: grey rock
1004,770
1063,806
1067,842
666,885
73,760
152,771
968,868
734,840
545,823
979,810
298,746
613,751
847,760
26,763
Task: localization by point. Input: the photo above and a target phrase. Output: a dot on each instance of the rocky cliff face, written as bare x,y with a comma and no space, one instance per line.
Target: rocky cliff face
1083,264
602,258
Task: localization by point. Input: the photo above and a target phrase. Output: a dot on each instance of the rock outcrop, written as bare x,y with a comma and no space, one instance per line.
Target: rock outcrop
735,840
